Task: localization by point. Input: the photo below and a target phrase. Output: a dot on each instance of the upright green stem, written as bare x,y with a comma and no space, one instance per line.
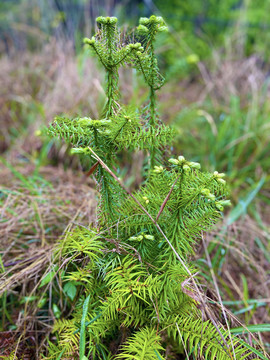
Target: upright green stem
152,84
112,90
110,94
153,114
112,69
152,124
148,65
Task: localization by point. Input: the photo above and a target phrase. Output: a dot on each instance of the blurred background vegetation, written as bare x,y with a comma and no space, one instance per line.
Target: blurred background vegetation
216,62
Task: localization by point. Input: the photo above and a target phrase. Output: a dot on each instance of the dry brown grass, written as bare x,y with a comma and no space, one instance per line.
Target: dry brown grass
218,80
233,76
242,260
31,222
38,86
40,215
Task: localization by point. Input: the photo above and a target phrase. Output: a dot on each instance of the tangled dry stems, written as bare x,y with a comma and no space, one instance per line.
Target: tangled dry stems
32,220
243,258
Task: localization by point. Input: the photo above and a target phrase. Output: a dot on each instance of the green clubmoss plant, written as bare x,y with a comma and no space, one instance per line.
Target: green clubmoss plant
130,281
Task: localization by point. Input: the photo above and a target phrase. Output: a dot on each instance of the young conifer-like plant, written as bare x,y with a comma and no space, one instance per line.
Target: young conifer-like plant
134,292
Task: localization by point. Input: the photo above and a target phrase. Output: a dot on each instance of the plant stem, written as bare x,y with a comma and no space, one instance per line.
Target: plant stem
110,94
112,75
153,114
152,124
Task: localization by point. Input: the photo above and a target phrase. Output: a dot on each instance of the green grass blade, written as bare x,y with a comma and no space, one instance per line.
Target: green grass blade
82,331
90,322
251,328
60,355
243,204
18,175
158,356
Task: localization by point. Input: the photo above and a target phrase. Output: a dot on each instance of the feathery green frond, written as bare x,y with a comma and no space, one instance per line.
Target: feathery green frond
81,242
143,345
202,339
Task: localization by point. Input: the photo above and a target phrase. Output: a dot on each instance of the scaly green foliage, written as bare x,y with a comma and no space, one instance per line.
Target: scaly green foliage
134,295
121,128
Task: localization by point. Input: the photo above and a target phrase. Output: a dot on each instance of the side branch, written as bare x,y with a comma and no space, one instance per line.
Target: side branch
167,240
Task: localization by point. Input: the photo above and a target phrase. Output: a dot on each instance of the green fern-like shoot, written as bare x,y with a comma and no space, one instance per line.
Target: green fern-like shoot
132,278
